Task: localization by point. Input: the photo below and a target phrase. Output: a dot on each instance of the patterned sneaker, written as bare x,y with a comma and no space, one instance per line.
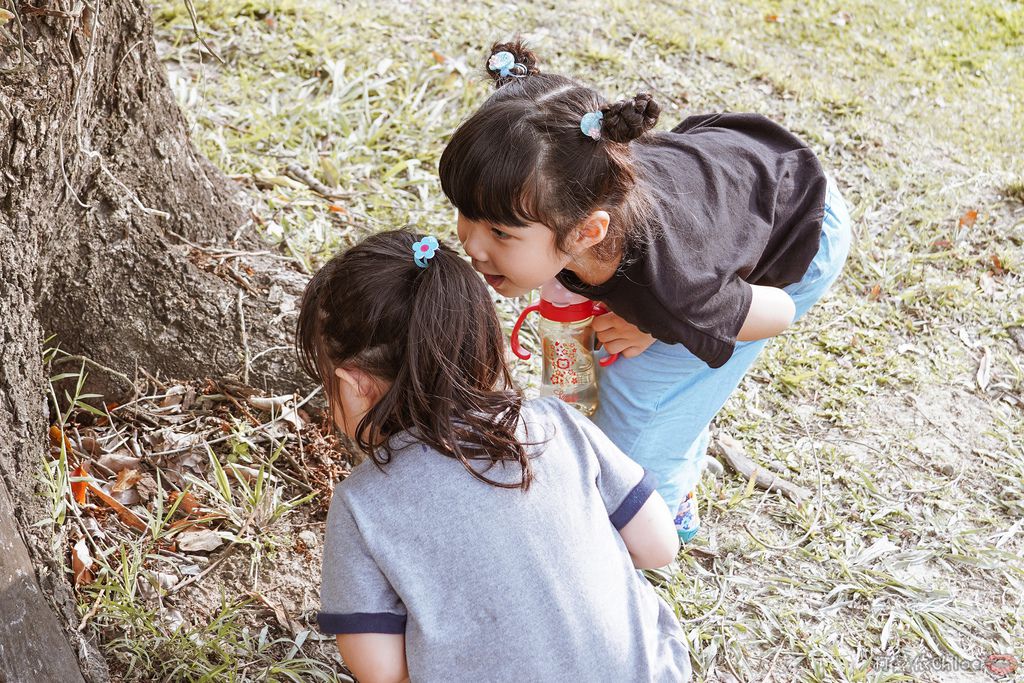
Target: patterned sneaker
688,518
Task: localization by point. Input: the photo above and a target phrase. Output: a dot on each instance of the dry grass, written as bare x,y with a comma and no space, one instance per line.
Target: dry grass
900,393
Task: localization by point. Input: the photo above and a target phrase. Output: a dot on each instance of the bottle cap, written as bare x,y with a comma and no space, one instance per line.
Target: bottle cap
555,292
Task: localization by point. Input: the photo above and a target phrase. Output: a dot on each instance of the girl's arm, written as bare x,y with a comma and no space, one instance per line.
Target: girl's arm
375,657
771,312
650,536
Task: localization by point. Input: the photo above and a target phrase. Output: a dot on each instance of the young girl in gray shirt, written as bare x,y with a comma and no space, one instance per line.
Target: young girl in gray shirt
482,537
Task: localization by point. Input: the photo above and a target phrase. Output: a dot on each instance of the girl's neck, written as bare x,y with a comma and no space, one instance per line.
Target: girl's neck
592,270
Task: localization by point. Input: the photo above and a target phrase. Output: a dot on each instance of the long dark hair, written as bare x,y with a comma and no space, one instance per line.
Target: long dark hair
433,334
522,158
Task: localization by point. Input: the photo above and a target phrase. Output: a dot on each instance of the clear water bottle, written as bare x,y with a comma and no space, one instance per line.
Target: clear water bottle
568,343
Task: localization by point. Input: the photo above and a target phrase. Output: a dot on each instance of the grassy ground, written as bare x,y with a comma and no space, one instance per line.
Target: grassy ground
897,399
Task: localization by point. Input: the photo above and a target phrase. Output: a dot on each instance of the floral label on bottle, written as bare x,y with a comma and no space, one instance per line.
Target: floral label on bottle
562,358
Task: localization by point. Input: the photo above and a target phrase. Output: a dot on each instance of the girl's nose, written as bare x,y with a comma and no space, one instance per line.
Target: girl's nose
474,246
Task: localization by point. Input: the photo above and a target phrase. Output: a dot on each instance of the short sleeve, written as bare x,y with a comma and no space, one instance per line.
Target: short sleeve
709,323
355,596
624,485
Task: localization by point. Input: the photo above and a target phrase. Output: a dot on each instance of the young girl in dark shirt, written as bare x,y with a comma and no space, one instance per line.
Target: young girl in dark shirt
703,242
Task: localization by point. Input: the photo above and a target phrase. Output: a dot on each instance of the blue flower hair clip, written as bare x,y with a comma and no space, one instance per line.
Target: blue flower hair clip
590,124
424,250
506,65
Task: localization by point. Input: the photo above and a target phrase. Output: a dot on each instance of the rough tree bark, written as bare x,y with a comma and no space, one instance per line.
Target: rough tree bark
97,174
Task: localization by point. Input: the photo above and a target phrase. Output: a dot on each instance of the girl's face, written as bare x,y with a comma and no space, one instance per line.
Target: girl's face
513,260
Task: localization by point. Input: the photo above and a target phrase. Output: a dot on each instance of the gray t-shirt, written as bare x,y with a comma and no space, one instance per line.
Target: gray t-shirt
492,584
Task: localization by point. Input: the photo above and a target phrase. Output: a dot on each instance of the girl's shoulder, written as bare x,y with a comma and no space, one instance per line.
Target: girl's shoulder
739,121
746,134
550,419
549,409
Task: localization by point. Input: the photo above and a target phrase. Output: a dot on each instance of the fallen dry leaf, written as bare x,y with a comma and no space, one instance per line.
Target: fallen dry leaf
281,407
167,439
58,437
984,370
91,446
173,396
203,540
120,460
123,513
81,563
79,489
171,618
189,505
147,486
988,285
126,479
129,497
152,584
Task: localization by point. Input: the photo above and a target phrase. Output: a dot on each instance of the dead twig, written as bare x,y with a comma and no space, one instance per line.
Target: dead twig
245,342
814,522
718,602
223,254
183,449
195,27
305,177
119,375
20,40
228,552
736,459
771,667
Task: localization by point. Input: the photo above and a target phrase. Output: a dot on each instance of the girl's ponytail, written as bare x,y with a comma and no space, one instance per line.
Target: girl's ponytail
510,61
430,331
627,120
457,378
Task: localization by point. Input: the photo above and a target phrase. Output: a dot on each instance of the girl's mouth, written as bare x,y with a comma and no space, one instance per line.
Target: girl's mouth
494,280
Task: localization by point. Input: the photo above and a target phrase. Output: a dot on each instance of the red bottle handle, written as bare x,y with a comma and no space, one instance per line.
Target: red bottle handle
600,309
516,349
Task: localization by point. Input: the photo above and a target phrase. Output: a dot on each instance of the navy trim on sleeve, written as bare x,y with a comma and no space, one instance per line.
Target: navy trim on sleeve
361,622
634,500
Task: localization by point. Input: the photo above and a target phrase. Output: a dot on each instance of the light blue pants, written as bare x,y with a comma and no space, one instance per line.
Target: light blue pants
657,406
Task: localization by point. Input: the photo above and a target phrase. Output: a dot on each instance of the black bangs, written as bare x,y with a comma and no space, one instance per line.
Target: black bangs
489,169
522,158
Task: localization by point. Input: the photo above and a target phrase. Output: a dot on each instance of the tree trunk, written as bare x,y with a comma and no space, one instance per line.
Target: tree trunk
101,193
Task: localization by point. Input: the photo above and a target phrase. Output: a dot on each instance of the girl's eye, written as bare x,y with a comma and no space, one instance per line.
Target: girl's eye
500,234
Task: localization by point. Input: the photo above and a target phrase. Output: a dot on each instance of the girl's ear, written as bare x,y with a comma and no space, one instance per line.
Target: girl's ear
593,231
358,382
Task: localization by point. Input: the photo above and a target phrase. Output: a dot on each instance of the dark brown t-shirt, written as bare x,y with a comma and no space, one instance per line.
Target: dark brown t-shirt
737,199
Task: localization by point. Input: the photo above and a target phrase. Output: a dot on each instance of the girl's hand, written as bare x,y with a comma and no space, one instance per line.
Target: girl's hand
619,336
